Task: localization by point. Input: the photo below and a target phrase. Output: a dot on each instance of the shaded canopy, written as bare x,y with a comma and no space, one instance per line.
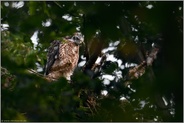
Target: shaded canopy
124,31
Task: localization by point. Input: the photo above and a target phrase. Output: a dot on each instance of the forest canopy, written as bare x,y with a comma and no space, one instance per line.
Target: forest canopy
130,66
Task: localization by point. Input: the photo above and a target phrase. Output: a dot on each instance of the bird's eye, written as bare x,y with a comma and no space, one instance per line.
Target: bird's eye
75,38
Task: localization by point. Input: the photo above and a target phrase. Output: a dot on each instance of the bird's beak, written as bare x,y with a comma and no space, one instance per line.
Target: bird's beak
83,42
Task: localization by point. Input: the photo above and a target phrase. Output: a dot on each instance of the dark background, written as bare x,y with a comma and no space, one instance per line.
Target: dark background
25,96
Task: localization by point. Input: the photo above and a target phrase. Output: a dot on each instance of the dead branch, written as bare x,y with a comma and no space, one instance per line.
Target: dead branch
139,70
40,75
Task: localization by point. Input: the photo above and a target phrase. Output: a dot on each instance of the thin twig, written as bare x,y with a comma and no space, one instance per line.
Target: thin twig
58,4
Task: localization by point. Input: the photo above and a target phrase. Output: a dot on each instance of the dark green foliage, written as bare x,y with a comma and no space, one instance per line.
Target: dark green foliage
28,97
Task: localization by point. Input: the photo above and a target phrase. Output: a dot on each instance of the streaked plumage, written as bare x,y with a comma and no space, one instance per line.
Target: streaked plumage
62,57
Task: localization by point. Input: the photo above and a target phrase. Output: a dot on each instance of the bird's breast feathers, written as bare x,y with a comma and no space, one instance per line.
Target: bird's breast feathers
66,60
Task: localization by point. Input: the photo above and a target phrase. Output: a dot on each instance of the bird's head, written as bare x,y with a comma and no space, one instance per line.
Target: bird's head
78,38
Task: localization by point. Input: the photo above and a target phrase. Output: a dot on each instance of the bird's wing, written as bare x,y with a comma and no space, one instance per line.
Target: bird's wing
52,55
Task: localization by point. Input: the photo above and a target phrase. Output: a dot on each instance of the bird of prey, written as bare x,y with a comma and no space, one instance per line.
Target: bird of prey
62,57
